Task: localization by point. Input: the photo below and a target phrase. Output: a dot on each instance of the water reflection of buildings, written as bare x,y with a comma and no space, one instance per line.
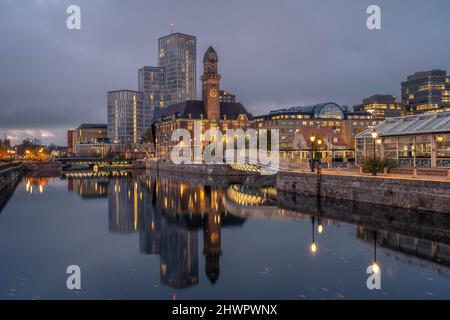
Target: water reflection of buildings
174,212
125,204
408,249
168,215
409,237
89,188
36,184
170,212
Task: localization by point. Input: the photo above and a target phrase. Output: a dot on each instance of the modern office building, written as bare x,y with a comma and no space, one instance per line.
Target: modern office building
427,91
210,112
178,56
381,106
414,141
152,84
125,116
226,96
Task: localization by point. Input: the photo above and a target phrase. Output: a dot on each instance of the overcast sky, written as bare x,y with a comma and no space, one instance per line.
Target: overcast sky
273,53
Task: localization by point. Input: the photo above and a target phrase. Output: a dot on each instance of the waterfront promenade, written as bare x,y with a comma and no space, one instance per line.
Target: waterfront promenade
423,193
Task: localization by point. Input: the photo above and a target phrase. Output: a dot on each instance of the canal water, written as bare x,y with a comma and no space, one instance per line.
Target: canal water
140,236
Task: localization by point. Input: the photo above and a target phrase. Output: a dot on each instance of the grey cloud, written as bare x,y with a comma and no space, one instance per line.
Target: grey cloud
273,53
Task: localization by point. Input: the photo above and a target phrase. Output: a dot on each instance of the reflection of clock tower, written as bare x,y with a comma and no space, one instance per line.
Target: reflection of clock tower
210,84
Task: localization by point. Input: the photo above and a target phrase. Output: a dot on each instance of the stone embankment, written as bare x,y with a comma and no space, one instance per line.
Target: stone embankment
417,194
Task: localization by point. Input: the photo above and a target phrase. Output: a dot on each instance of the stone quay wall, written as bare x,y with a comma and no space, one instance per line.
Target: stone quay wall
422,195
198,169
9,178
51,168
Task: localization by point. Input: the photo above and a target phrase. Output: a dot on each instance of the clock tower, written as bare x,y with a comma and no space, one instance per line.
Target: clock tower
211,85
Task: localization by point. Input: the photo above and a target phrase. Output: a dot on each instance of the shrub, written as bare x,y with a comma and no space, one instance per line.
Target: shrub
381,163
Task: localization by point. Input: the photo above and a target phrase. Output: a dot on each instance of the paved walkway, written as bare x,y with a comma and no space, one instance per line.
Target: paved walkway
354,172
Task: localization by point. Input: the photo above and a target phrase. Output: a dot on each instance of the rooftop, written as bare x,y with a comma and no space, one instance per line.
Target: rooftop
423,74
92,126
193,109
410,125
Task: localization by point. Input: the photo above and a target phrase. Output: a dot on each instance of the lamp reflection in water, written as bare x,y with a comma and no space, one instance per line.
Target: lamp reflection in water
319,217
375,265
313,246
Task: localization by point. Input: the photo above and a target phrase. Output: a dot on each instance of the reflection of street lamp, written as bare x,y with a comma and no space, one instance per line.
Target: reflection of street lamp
374,163
312,138
320,228
375,266
313,246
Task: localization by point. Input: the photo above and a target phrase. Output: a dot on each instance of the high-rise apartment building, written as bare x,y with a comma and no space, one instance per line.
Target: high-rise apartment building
125,116
178,56
427,91
152,84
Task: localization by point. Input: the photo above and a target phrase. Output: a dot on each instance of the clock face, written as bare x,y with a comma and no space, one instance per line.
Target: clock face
213,93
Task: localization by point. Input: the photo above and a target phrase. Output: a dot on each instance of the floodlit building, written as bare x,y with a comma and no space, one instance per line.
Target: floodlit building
335,125
417,140
210,112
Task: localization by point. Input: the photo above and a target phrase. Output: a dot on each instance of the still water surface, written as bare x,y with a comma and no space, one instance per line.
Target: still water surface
138,236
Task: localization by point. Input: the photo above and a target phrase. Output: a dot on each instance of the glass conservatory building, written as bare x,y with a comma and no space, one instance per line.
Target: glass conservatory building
418,140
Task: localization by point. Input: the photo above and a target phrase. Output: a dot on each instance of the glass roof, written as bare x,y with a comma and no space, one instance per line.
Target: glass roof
410,125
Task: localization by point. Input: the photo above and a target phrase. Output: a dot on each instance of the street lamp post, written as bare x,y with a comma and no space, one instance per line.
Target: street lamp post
374,163
319,143
312,138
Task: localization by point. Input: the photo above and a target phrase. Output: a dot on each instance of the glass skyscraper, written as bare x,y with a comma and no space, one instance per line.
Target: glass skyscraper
152,84
125,116
178,56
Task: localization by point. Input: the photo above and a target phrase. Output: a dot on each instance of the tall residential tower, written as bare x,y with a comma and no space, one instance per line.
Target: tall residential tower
125,116
152,84
178,56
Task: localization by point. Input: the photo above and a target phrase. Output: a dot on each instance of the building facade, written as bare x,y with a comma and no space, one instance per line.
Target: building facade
427,91
381,106
152,84
413,141
178,56
70,147
226,96
334,125
89,133
209,112
125,116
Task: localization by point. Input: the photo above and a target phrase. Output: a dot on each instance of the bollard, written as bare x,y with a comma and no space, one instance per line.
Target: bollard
360,170
414,172
448,174
385,171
